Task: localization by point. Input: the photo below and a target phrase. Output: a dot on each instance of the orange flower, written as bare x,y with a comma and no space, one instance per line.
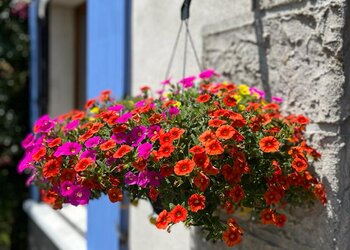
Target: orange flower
216,122
165,138
55,142
85,136
184,167
225,132
123,150
203,98
196,150
302,120
163,220
83,164
155,118
39,154
299,164
107,145
166,150
207,136
201,181
232,236
269,144
115,194
236,193
266,216
201,160
96,127
176,133
51,168
229,101
179,213
140,164
89,103
214,148
196,202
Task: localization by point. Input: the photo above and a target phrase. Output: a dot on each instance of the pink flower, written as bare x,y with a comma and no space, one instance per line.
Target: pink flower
188,82
68,148
207,74
72,125
124,118
79,196
92,142
116,108
144,150
166,82
277,99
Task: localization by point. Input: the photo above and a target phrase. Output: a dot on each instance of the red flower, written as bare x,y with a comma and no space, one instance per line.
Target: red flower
269,144
225,132
216,122
115,194
206,137
184,167
229,101
55,142
85,136
163,220
165,138
237,193
107,145
196,150
272,196
83,164
39,154
201,160
266,216
153,193
203,98
302,120
51,168
179,213
214,148
140,164
166,170
123,150
176,133
68,175
165,150
232,236
201,181
196,202
279,219
299,164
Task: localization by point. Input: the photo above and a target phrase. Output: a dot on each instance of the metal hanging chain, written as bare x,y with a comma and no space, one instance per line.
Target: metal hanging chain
185,14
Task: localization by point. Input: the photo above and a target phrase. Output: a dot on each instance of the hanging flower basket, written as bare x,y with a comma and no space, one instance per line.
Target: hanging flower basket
202,148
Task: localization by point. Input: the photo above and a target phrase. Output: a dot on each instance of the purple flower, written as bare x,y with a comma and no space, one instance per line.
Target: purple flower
130,178
173,111
116,108
144,150
207,74
79,196
92,142
28,141
67,188
119,138
154,178
188,82
124,118
153,130
137,135
72,125
68,148
277,99
44,124
89,154
142,179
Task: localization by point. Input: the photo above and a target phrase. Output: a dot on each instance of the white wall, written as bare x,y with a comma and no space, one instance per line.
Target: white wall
154,27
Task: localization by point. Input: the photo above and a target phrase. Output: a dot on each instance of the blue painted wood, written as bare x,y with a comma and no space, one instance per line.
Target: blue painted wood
106,69
34,107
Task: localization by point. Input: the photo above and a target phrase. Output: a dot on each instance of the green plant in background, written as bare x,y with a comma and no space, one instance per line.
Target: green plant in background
13,120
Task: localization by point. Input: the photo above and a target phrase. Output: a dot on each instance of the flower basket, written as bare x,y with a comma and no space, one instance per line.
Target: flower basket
203,147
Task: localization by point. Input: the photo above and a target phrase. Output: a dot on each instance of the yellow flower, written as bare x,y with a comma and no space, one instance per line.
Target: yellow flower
92,119
238,98
243,89
241,107
219,93
167,94
177,104
224,83
95,110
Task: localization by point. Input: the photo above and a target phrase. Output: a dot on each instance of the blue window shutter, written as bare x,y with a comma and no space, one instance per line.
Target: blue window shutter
107,68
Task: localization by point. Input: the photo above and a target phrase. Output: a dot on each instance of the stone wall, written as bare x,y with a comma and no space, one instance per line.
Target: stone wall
298,50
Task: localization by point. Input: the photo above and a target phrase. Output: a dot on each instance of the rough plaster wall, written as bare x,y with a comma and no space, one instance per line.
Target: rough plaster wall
154,27
301,48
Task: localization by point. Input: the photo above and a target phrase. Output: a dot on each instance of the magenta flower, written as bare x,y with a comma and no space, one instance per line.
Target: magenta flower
207,74
140,104
25,163
137,135
277,99
92,142
154,178
116,108
124,118
68,148
44,124
28,141
152,131
89,154
119,138
142,179
130,178
79,196
71,125
144,150
254,90
166,82
188,82
173,111
67,188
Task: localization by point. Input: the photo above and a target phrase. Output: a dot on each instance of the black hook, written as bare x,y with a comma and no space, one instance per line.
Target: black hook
185,10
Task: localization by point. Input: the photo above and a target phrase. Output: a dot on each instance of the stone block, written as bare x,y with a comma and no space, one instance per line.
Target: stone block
267,4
